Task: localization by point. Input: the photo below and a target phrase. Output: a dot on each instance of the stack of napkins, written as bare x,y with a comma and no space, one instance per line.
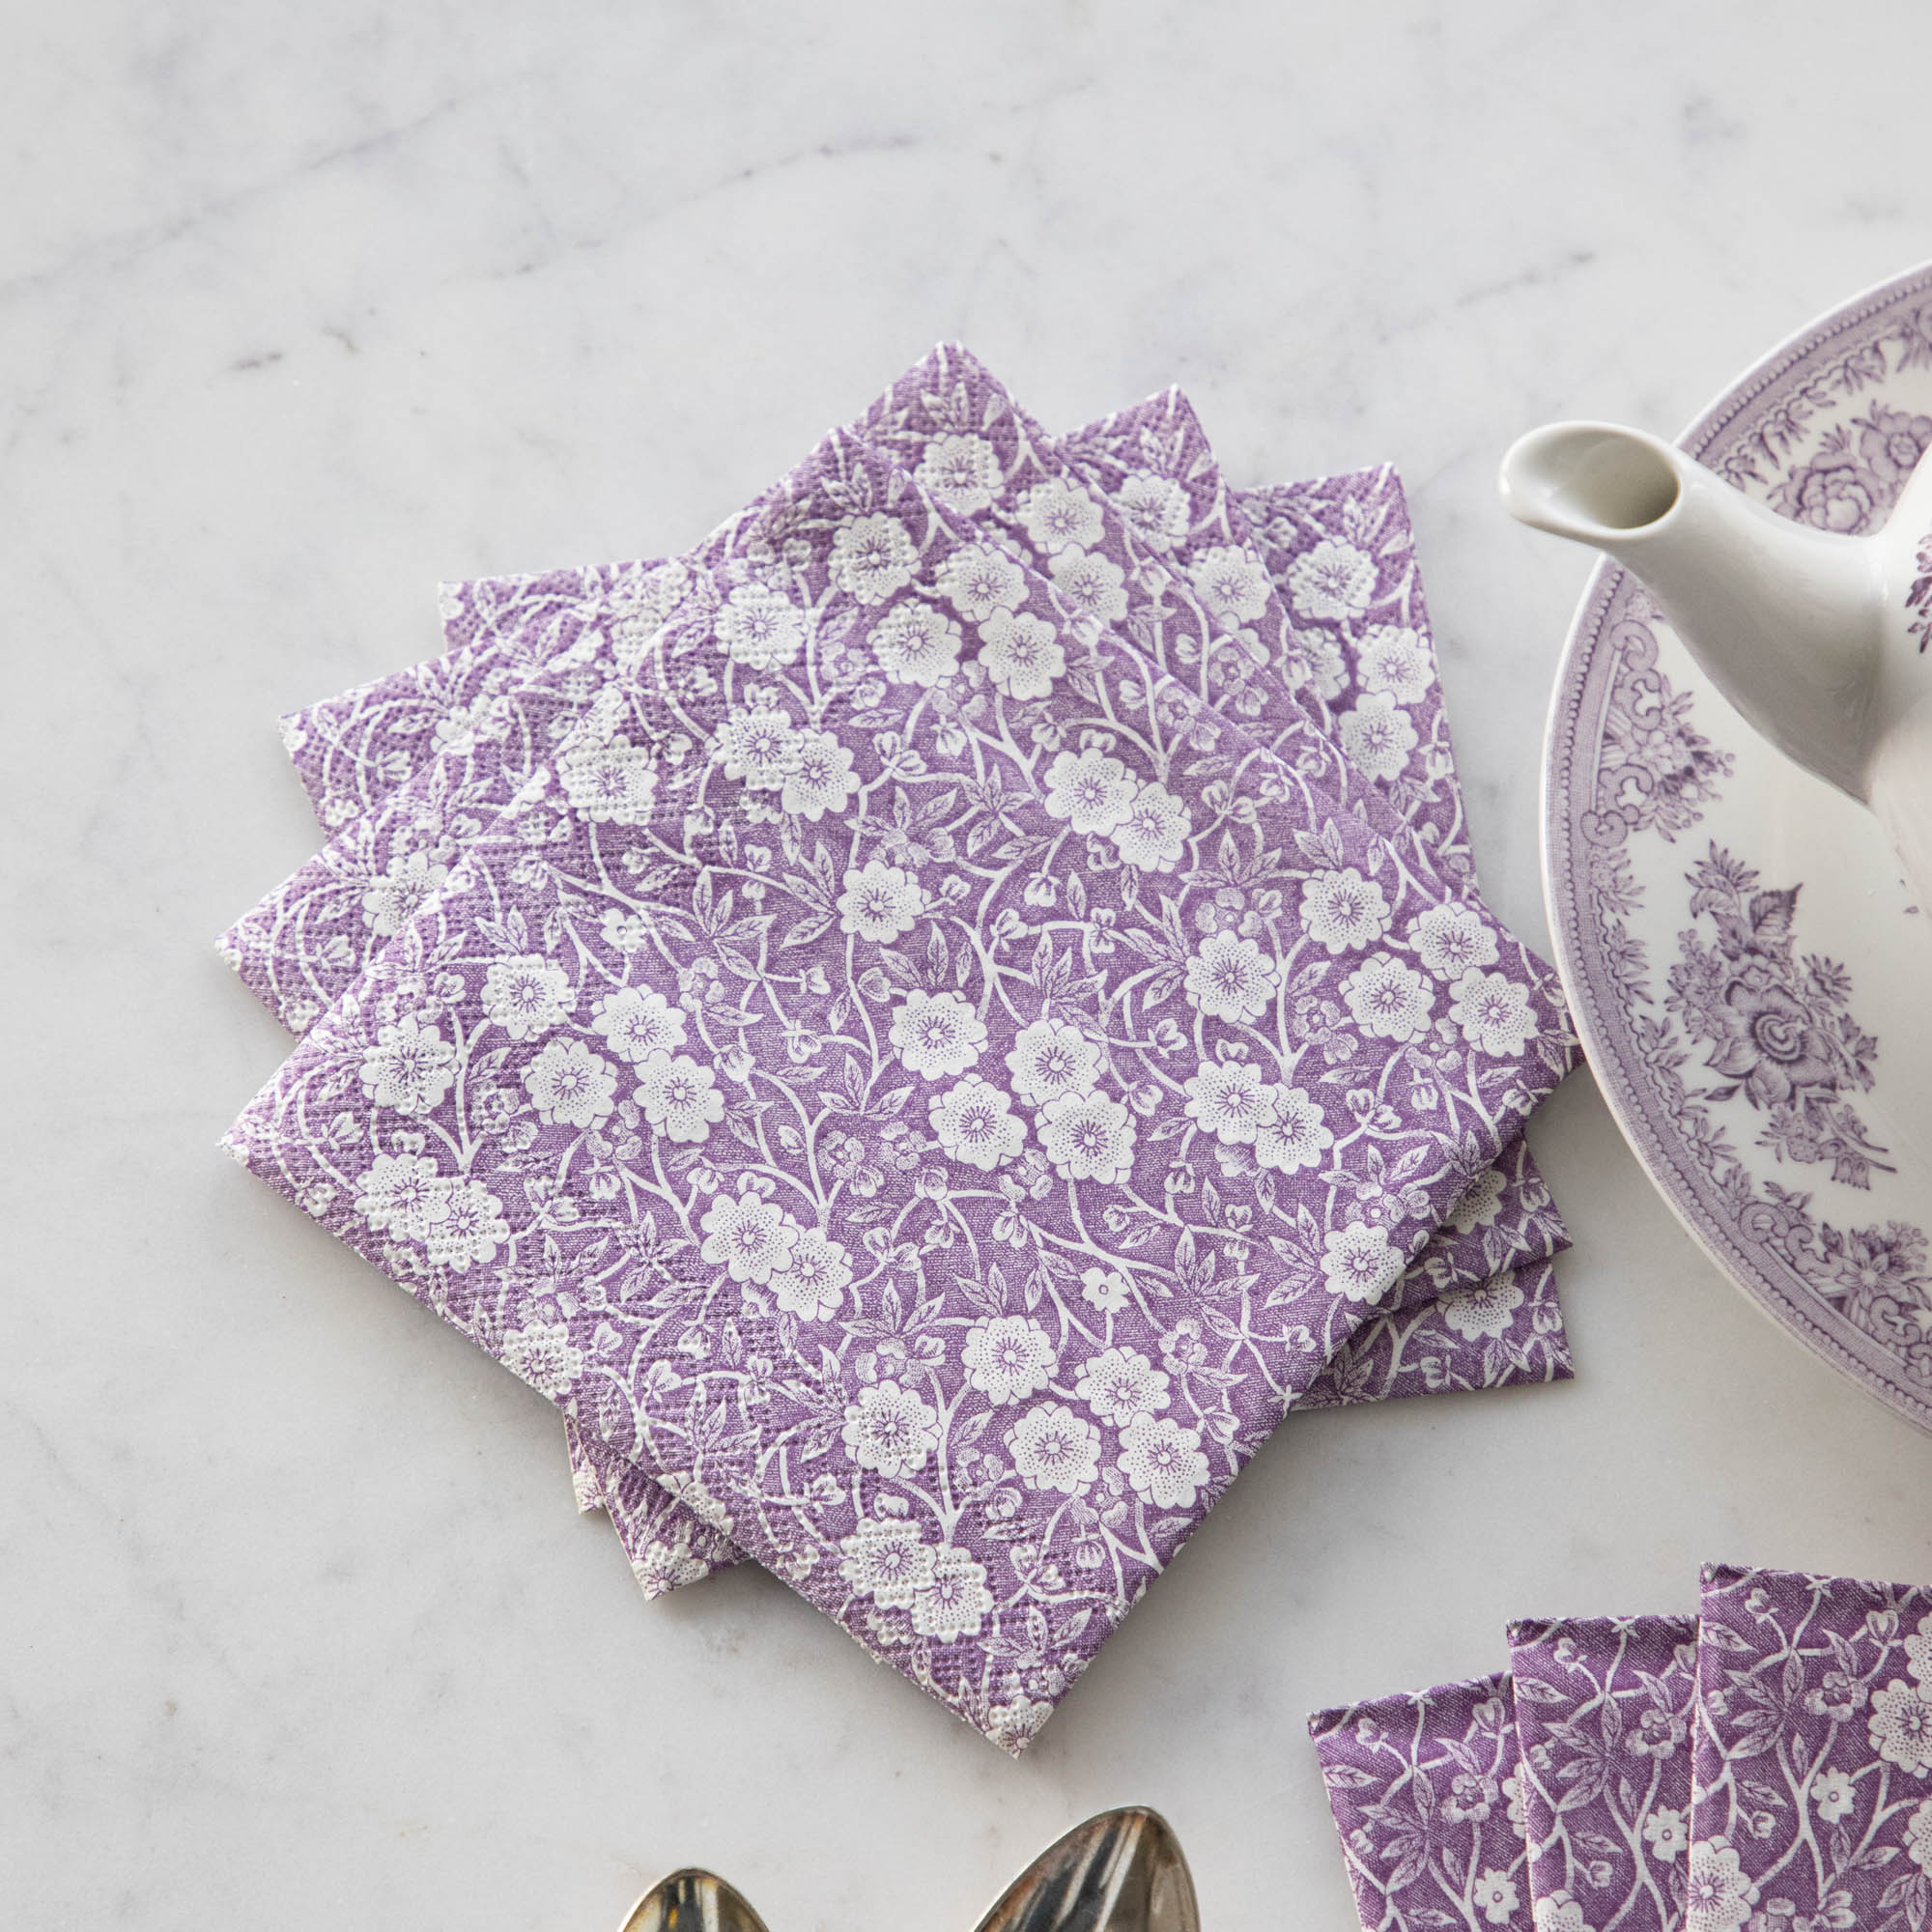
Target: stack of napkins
1766,1764
927,1023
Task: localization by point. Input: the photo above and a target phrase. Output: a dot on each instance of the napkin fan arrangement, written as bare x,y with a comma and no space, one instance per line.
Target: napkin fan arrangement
927,1024
1766,1765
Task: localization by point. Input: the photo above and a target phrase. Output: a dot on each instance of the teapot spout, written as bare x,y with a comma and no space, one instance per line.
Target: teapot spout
1786,619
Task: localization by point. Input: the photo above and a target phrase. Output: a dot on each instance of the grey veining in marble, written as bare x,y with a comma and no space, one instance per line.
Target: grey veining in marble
302,309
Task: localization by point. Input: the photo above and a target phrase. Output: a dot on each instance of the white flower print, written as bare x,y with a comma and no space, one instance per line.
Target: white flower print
1154,509
1121,1385
975,1122
695,1494
885,1559
678,1096
391,901
1232,584
1477,1205
1389,1000
959,471
954,1600
1059,516
1090,588
749,1236
822,778
1343,911
1087,1136
1449,939
1493,1013
1012,1726
980,580
1328,668
1008,1357
403,1193
1394,660
625,932
1021,654
1050,1058
1231,1101
871,557
1919,1650
1295,1135
609,780
1358,1261
916,643
880,902
1053,1449
1833,1793
468,1227
1162,1461
1333,579
889,1429
1919,1835
1720,1896
1666,1833
526,994
814,1283
1560,1913
636,1023
1900,1727
937,1033
1496,1894
756,743
1106,1289
544,1355
410,1067
1483,1311
570,1084
1377,737
1231,978
760,628
1153,834
1092,791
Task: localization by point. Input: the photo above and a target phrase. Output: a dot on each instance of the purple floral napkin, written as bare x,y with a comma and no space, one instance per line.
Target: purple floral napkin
1427,1798
1813,1799
1477,1349
896,1399
1602,1712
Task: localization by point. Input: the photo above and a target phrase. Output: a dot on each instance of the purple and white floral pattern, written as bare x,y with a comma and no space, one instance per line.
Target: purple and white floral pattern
1814,1755
651,1281
1498,1330
1603,1713
1739,1067
1427,1796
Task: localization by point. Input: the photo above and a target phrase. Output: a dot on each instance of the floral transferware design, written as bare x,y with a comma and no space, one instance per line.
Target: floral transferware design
1603,1713
1427,1801
1813,1754
1737,1057
583,620
650,1285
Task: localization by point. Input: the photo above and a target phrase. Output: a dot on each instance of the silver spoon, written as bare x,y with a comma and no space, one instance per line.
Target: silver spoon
1121,1871
691,1901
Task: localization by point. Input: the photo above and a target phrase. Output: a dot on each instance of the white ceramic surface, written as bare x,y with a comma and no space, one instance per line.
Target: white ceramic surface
1746,966
302,309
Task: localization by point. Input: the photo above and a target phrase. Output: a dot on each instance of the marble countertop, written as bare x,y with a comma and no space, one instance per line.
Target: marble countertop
303,310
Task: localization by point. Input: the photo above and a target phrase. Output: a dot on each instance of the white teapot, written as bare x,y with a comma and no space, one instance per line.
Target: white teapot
1820,640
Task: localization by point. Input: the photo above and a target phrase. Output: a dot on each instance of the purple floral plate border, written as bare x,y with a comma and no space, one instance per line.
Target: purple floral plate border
1738,1066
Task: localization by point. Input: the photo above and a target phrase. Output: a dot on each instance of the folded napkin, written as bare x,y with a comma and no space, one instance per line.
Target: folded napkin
1341,545
706,1286
1603,1713
1813,1800
1427,1797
